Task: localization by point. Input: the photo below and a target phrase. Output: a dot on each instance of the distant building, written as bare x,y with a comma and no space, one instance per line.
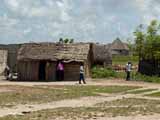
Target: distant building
12,50
119,48
42,58
3,60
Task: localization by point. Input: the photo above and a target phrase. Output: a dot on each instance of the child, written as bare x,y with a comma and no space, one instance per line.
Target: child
81,78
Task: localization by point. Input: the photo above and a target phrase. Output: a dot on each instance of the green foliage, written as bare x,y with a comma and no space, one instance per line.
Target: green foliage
147,41
140,77
99,72
122,60
71,40
66,40
61,40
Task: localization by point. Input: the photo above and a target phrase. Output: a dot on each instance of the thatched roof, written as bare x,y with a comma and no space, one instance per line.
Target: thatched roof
119,45
54,51
102,53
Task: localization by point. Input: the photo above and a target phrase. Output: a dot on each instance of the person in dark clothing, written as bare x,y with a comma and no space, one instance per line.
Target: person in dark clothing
81,77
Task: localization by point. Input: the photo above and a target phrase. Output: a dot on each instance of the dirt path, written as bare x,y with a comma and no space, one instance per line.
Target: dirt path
81,102
85,101
136,117
119,82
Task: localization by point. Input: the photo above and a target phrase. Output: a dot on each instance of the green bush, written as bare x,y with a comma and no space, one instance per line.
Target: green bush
99,72
140,77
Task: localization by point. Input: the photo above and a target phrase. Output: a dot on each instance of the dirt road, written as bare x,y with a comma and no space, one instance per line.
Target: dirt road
85,101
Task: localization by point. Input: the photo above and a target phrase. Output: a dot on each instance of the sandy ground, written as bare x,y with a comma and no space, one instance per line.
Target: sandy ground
85,101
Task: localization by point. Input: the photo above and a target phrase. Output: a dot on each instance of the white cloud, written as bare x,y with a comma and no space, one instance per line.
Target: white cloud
29,8
5,21
80,19
27,31
64,7
13,4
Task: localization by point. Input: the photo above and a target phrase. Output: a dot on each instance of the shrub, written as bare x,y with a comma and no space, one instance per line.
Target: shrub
140,77
99,72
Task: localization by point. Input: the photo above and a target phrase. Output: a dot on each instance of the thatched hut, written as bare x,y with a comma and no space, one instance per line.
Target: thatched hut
39,61
119,48
102,55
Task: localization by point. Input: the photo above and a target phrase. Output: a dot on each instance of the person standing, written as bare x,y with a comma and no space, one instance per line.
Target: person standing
7,72
60,71
81,77
128,70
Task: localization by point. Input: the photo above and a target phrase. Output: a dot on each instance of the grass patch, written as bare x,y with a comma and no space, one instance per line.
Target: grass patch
122,60
100,72
130,102
124,107
156,94
41,94
140,77
141,91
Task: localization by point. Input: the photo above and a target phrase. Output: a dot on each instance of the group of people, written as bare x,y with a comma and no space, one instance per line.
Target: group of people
60,72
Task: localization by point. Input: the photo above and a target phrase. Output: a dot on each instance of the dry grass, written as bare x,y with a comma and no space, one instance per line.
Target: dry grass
44,94
124,107
141,91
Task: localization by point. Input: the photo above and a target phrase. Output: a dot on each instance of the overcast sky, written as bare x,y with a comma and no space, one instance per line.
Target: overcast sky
84,20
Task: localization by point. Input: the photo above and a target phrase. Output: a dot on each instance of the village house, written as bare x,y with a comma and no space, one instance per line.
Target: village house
38,61
119,48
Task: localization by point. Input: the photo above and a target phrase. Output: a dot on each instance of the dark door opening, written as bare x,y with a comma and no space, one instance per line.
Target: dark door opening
42,70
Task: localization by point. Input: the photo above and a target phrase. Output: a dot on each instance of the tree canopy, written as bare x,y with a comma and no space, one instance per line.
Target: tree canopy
147,41
66,40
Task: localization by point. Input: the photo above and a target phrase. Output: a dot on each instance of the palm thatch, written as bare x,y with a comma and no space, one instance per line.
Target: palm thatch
54,51
102,54
119,48
119,45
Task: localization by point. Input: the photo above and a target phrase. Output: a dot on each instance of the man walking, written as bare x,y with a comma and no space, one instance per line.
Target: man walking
82,78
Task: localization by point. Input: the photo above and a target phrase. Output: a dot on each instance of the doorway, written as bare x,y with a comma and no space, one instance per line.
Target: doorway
42,70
